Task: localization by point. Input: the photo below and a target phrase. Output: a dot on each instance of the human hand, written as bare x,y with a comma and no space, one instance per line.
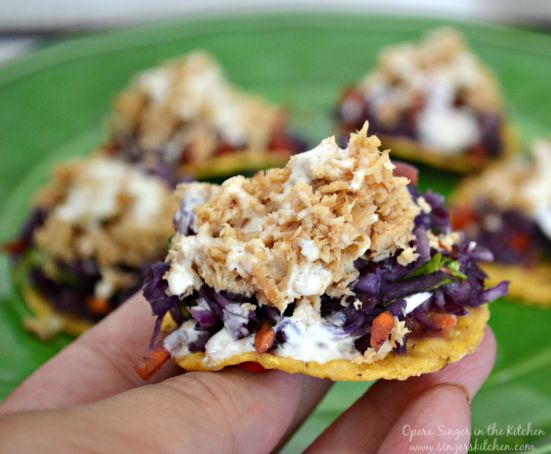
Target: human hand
89,398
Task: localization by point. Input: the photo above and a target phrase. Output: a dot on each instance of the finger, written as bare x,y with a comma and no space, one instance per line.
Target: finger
230,411
379,408
240,412
310,398
96,365
438,420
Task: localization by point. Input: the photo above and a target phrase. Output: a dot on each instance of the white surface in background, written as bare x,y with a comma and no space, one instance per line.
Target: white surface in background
46,14
12,47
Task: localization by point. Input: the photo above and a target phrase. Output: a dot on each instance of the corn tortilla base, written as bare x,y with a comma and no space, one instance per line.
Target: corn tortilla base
42,308
411,150
424,355
236,163
531,285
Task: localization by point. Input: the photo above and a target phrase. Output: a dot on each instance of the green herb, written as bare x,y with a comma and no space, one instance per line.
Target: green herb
438,263
432,266
455,268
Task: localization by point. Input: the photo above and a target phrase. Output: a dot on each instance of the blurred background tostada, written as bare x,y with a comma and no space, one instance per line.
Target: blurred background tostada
185,120
91,235
508,210
433,102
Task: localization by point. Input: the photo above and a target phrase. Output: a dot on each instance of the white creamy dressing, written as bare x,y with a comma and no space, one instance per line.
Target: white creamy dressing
104,288
538,189
156,82
94,196
240,260
310,279
449,131
185,216
415,300
235,315
181,277
309,338
178,341
440,125
107,286
309,250
326,155
222,346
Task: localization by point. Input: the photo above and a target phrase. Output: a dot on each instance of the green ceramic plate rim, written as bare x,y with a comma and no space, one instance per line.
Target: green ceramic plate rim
142,35
102,42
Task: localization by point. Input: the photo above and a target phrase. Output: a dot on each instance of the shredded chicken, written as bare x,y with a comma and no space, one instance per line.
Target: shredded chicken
295,232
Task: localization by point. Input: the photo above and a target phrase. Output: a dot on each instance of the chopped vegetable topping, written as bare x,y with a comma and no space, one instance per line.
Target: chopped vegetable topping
264,338
15,247
381,329
151,363
98,305
444,322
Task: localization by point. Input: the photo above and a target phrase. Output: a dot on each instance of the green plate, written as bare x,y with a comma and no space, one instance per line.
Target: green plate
54,102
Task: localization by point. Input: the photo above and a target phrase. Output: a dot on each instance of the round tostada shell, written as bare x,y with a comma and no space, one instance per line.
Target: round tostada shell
411,150
424,355
240,162
42,308
531,286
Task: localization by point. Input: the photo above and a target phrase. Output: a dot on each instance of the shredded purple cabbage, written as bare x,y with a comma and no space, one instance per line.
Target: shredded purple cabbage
75,282
511,236
75,286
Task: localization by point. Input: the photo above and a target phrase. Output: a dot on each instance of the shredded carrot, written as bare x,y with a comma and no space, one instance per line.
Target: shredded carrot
151,363
252,367
444,322
225,148
381,329
520,241
264,338
281,143
97,305
478,153
14,247
461,217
